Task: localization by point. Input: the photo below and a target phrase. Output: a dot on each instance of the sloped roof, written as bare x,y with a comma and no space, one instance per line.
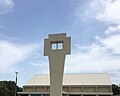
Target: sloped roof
72,79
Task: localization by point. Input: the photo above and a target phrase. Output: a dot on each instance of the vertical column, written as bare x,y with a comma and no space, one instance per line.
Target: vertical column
82,88
110,88
34,89
56,47
96,89
70,89
45,89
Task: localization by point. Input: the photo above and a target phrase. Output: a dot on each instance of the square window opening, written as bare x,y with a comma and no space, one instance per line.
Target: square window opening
57,45
60,45
54,46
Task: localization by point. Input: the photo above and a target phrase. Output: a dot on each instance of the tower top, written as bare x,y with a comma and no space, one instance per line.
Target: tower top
57,43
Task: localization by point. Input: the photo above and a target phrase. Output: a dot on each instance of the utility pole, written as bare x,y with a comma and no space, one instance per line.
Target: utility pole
16,73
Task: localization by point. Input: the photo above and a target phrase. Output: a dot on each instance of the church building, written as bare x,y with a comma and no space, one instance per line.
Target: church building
56,47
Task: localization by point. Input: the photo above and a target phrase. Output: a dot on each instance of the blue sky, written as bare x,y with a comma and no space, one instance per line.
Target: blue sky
93,25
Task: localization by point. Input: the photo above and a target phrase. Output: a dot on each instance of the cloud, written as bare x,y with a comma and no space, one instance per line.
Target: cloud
111,12
96,59
11,54
101,10
6,6
113,30
103,55
112,43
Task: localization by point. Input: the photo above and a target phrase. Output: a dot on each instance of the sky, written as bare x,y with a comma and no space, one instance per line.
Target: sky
93,25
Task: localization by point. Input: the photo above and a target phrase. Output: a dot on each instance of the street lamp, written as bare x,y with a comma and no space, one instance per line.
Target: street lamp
16,73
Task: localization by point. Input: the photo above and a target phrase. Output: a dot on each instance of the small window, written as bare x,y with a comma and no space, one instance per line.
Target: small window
57,45
54,47
60,45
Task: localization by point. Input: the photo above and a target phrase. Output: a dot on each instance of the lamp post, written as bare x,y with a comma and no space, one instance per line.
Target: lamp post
16,73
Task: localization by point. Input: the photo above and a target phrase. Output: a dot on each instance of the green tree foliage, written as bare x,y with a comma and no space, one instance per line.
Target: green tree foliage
115,89
7,88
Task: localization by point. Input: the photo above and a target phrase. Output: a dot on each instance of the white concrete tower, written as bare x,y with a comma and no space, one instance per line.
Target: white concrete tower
56,47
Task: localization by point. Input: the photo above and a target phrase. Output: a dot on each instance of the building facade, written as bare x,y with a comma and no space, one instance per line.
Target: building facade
73,85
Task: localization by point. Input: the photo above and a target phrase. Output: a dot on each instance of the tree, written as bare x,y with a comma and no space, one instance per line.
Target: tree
7,88
115,89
